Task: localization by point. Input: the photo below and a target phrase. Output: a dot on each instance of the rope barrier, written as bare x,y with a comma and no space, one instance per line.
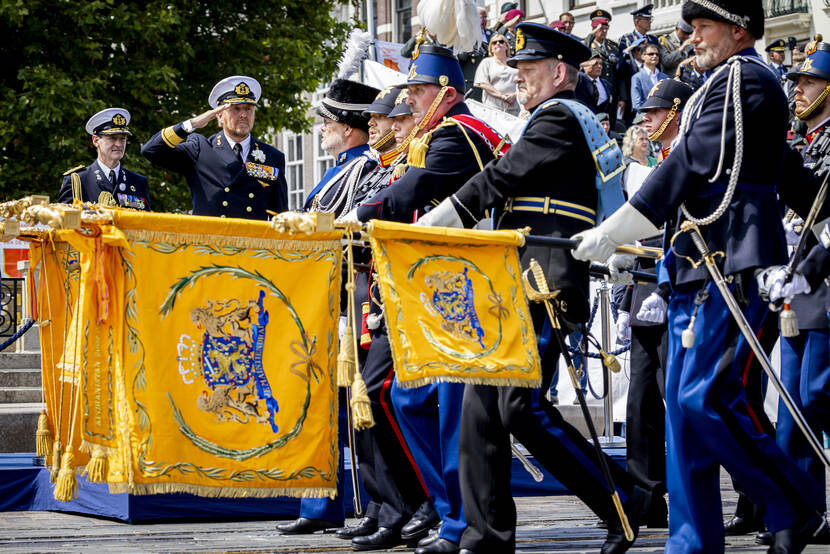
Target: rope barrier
20,332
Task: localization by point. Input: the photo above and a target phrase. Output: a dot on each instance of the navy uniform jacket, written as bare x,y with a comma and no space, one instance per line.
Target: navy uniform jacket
131,189
750,231
551,159
609,53
449,163
220,185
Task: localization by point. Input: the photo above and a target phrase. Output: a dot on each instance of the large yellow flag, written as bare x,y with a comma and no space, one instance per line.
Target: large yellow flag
454,305
231,334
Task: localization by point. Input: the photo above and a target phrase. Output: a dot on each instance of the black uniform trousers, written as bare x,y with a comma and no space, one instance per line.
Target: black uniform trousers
399,487
645,419
490,414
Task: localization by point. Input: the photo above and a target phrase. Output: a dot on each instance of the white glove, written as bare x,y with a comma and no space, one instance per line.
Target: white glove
625,225
623,330
789,230
442,215
351,216
653,309
779,289
617,265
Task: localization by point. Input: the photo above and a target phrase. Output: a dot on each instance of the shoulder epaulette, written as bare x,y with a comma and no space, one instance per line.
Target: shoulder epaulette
73,170
665,42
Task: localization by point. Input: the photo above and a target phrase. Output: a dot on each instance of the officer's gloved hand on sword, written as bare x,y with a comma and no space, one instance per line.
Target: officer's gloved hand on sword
624,226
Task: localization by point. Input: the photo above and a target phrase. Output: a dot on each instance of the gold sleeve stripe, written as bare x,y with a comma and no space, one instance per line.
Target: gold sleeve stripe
170,138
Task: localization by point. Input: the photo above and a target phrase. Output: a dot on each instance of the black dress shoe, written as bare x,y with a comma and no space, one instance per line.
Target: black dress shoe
440,546
381,539
365,526
306,526
764,538
738,525
793,539
636,509
424,519
430,538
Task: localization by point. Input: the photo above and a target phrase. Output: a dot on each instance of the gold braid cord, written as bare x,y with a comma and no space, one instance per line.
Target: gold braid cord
669,117
815,105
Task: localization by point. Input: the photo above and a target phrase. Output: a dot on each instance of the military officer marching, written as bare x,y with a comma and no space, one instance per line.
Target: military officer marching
805,357
231,173
736,207
106,180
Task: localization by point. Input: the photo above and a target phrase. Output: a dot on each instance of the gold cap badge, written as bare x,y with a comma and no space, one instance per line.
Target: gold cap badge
119,120
520,39
242,89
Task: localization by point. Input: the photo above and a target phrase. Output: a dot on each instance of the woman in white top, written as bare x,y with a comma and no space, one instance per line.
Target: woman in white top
495,78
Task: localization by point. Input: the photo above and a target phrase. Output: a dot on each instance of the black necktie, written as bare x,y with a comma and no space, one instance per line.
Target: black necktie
238,149
596,92
112,179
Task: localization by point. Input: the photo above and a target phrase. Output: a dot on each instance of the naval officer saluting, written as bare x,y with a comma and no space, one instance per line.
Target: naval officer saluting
106,175
230,174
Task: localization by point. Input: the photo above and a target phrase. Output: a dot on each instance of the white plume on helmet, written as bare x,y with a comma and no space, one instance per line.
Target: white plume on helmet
357,49
455,23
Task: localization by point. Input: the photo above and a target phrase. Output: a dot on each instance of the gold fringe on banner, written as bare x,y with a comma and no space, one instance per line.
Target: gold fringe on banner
230,241
361,406
219,492
67,483
43,435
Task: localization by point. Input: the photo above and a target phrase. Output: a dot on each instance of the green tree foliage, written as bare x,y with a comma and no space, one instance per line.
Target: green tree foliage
64,60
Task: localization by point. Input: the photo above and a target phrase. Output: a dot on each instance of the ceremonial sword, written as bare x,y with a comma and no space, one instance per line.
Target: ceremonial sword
543,294
708,259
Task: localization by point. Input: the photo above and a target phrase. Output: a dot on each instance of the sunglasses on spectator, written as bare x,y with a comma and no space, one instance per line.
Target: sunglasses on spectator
499,42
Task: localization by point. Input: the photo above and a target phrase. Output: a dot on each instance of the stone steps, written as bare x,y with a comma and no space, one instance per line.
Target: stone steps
18,395
20,377
18,423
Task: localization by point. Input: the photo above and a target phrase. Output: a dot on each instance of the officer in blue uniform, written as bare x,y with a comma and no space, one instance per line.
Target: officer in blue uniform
230,174
805,359
547,167
628,66
345,135
106,175
707,421
776,52
436,98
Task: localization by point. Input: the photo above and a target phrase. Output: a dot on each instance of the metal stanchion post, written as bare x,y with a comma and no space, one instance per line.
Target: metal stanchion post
608,439
23,267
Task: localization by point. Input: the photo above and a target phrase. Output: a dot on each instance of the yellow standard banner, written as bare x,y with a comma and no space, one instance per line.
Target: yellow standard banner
229,357
454,305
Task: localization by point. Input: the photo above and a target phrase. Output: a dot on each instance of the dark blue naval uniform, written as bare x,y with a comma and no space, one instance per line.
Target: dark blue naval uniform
131,189
549,166
805,368
221,185
707,423
431,434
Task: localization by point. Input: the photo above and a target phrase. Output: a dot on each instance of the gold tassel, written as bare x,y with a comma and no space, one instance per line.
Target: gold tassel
610,361
67,484
43,435
361,406
346,359
96,469
418,151
398,172
57,451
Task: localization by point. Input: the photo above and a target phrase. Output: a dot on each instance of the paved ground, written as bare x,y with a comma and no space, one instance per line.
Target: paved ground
546,524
